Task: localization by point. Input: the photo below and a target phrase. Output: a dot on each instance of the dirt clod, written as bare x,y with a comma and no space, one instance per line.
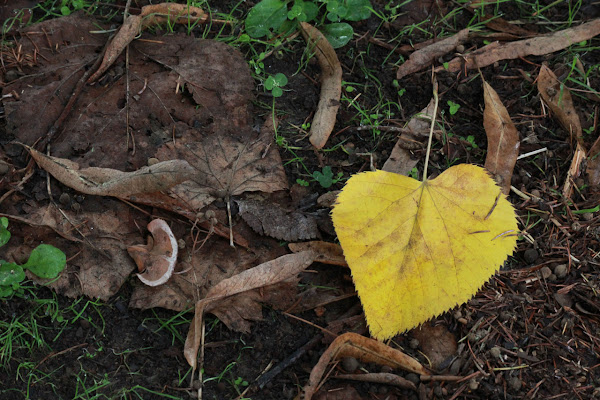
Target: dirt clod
350,364
515,383
531,255
495,352
561,271
546,272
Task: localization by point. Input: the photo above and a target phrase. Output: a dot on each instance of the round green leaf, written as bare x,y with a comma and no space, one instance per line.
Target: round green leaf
309,10
46,261
266,15
295,11
270,83
338,34
5,291
276,92
358,10
11,273
281,79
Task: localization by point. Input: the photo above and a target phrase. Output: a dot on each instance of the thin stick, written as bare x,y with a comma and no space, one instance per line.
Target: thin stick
435,106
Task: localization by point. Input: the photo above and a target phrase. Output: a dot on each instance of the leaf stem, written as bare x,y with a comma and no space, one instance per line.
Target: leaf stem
435,106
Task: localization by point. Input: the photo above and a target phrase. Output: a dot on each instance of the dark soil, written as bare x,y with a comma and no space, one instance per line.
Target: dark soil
531,332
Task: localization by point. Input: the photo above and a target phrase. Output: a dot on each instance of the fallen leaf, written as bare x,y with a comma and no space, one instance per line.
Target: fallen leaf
401,160
271,272
331,85
156,260
503,139
436,342
417,249
537,46
111,182
327,252
558,98
133,25
593,164
424,57
272,220
384,378
362,348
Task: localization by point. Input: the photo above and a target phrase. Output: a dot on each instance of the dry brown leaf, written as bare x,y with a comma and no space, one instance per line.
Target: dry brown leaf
133,25
401,160
537,46
384,378
331,85
111,182
226,165
424,57
503,139
272,220
327,253
367,350
436,342
558,98
271,272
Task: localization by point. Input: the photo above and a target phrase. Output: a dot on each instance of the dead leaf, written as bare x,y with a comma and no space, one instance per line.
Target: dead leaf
156,260
593,164
362,348
401,160
424,57
417,249
111,182
436,343
503,139
384,378
331,85
537,46
558,98
133,25
271,272
327,252
226,165
272,220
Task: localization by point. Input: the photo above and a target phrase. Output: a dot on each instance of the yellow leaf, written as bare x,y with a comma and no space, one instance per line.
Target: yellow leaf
417,249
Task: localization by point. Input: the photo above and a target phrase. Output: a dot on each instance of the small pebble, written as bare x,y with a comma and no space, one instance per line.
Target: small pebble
576,226
515,383
531,255
76,206
460,48
152,161
4,168
350,364
546,272
561,271
414,378
413,344
64,199
536,194
455,367
586,216
495,352
457,314
473,384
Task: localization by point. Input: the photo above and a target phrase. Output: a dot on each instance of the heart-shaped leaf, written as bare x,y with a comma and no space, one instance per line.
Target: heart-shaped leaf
417,249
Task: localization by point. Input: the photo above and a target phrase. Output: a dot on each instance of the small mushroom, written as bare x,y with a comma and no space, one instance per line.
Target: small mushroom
156,260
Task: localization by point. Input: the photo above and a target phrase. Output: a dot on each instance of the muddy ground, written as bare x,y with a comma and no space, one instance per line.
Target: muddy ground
531,332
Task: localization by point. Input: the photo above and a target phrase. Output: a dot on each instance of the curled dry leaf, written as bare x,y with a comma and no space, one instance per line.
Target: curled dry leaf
331,85
503,139
593,164
380,377
362,348
558,98
436,342
133,25
401,160
424,57
537,46
327,253
156,260
271,272
112,182
272,220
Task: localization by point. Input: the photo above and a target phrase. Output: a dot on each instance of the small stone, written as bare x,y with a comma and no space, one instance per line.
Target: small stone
588,216
64,199
455,367
457,314
460,48
437,391
152,161
76,207
536,194
576,226
531,255
563,299
495,352
413,344
473,384
561,271
414,378
350,364
4,168
546,272
11,75
515,383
